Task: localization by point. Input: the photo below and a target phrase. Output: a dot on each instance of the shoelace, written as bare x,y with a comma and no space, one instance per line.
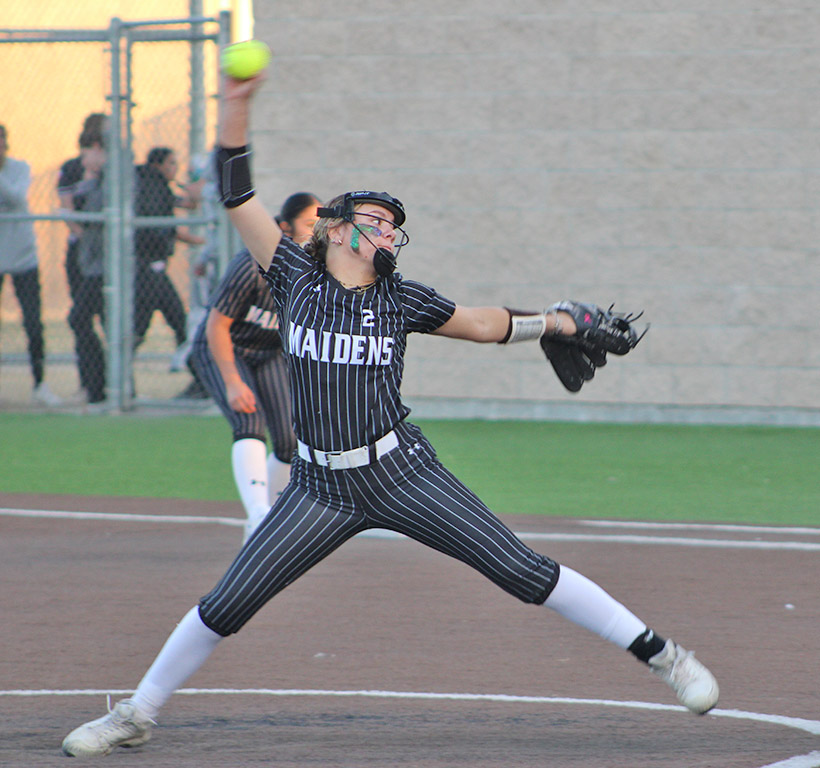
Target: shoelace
116,721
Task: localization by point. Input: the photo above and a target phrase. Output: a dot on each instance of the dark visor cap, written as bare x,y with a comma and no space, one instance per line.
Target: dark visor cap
351,199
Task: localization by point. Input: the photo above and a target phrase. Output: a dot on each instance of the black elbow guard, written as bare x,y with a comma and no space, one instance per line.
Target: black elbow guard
233,174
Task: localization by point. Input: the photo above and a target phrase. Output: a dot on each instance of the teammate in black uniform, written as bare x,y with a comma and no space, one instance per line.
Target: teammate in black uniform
237,352
345,317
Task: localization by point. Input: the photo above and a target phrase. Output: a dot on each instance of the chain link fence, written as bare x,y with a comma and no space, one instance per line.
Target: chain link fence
128,238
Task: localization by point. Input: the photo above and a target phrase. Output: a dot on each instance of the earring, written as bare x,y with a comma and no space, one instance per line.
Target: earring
337,242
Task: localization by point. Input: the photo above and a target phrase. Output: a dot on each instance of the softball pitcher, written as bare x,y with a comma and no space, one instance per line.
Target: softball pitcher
345,316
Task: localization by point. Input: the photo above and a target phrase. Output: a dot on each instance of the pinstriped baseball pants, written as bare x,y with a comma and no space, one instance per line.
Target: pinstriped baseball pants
268,379
407,491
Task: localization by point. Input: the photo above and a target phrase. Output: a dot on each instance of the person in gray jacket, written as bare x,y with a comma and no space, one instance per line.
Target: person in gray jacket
88,300
18,258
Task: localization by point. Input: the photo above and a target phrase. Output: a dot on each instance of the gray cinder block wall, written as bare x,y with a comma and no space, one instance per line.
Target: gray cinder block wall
664,156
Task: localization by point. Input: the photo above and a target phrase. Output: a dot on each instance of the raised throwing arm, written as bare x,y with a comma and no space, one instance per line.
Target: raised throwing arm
255,225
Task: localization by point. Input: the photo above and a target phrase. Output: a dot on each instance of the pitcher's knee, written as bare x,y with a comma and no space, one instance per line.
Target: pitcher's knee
533,580
222,622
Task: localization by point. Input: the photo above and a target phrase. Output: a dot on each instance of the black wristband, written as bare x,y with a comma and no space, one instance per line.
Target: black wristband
233,174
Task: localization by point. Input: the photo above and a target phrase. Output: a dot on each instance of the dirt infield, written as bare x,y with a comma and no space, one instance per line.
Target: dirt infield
87,603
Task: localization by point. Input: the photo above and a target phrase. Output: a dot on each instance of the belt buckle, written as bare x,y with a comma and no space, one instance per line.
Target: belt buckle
356,457
336,460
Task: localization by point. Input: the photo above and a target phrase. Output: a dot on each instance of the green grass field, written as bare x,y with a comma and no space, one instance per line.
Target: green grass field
727,474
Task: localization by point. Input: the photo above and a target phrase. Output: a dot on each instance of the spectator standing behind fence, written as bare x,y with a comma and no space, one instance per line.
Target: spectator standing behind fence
153,246
18,258
77,177
89,196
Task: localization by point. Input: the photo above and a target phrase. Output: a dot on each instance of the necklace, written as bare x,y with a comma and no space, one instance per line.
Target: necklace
358,288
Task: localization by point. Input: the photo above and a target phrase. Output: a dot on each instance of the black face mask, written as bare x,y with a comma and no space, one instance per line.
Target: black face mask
384,262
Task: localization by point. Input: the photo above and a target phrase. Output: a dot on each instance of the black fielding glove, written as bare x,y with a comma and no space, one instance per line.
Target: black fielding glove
598,331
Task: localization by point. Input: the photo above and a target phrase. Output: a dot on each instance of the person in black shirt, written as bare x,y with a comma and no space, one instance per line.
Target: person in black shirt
154,245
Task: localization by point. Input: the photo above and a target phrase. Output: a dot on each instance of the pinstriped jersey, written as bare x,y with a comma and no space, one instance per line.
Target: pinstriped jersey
243,295
345,349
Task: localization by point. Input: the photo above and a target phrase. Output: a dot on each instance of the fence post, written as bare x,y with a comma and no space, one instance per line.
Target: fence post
229,239
113,287
196,136
127,232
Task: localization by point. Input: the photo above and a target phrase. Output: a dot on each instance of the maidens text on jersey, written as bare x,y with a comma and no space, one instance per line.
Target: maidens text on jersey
264,318
340,348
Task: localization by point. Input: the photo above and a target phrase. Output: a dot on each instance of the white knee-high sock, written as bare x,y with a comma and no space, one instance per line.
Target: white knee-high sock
250,472
278,477
185,651
583,602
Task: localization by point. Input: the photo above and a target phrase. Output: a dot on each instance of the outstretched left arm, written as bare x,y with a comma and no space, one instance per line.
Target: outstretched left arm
575,337
494,324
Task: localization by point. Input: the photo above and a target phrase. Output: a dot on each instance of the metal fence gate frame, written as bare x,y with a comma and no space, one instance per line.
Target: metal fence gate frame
118,218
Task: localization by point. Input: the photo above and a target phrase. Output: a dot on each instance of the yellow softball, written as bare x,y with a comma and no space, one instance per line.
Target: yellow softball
244,60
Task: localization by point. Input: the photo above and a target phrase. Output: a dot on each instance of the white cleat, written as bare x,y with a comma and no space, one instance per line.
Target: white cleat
44,396
693,684
121,727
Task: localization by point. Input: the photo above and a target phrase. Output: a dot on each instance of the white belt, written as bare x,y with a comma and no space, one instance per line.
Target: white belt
355,457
